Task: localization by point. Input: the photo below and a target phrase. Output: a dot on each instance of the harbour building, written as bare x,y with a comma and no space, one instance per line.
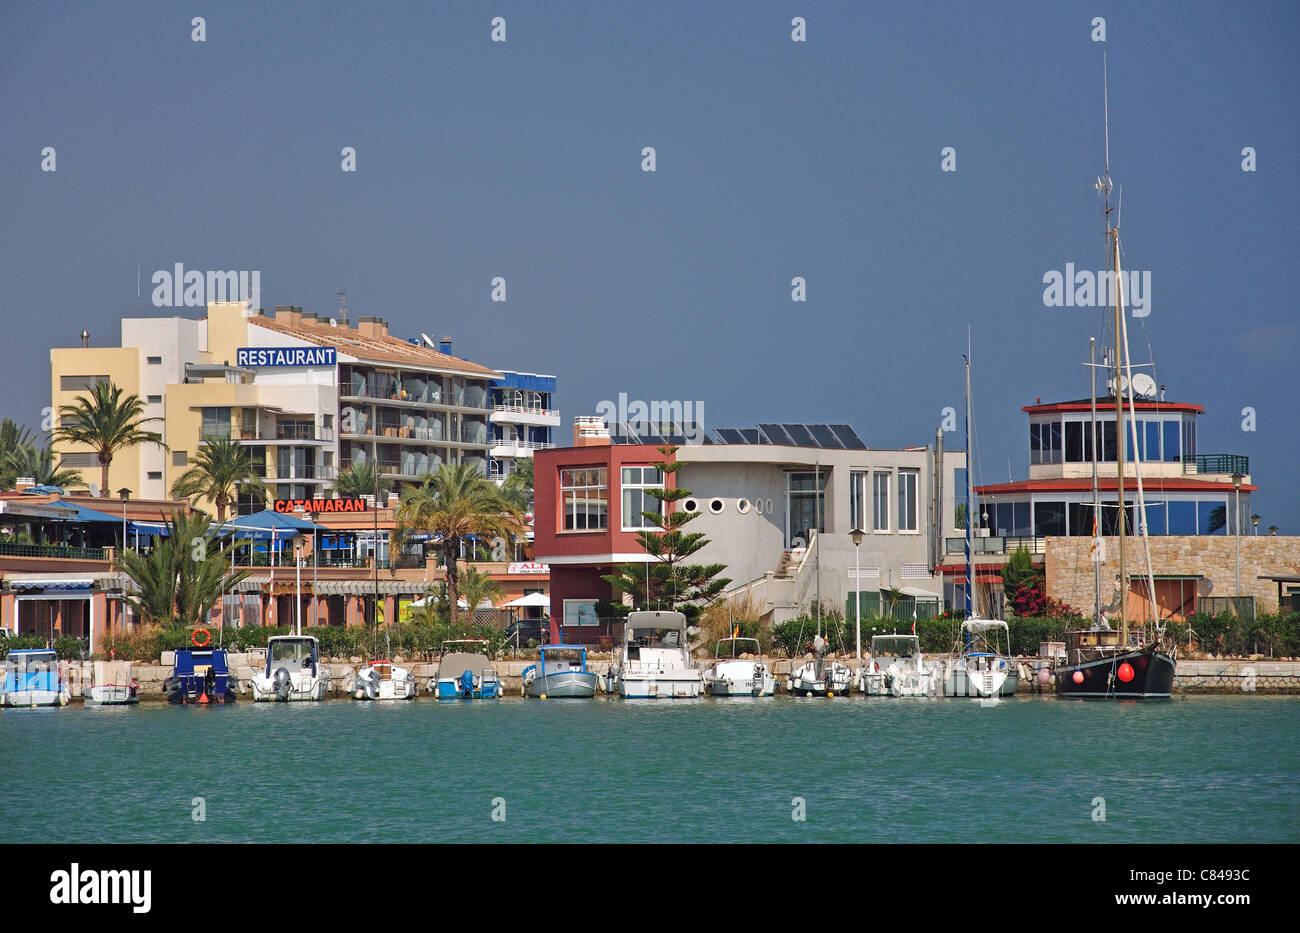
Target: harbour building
778,503
308,397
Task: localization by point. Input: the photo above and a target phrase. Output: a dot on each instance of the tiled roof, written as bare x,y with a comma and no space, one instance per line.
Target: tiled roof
385,349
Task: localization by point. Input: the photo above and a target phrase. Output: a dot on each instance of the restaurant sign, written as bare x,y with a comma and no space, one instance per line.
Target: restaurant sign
321,506
286,356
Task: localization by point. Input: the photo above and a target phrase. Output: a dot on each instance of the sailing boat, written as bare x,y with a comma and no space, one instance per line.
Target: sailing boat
1100,661
980,667
821,676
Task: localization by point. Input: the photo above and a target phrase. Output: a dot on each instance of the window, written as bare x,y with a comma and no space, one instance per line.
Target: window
1172,454
78,461
154,474
154,360
857,499
180,457
636,480
155,399
1049,518
580,612
880,502
1182,518
1045,442
216,422
805,506
79,383
907,480
585,495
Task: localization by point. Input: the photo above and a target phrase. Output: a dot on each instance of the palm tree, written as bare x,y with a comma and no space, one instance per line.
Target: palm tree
519,485
476,586
36,462
451,505
13,436
358,480
220,469
106,422
183,575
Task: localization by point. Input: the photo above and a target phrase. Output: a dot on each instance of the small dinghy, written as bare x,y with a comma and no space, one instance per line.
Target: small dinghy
200,675
113,686
897,668
383,680
821,676
738,670
561,672
293,672
31,678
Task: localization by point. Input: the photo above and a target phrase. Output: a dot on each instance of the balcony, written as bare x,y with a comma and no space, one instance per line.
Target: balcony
510,447
52,550
1003,544
1216,464
521,414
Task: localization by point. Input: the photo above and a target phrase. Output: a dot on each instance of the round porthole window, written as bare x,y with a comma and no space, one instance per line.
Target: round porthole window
690,505
742,506
769,506
758,506
716,506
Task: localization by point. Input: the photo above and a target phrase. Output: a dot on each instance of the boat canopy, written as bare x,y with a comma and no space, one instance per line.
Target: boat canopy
456,663
979,626
671,621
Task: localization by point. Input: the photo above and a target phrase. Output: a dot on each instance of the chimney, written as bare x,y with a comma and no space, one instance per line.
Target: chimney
393,500
444,345
24,482
372,326
288,314
590,431
309,317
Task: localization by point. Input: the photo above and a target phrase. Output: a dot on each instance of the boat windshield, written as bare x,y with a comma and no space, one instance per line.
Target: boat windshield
299,651
30,662
895,646
656,637
735,647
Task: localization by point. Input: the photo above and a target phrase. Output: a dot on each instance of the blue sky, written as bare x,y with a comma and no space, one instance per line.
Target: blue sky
775,159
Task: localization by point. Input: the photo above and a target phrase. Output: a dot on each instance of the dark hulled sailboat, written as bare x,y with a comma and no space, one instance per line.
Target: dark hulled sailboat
1100,661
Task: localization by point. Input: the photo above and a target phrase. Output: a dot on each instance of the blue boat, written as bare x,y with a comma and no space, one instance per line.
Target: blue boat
31,678
465,674
561,672
201,675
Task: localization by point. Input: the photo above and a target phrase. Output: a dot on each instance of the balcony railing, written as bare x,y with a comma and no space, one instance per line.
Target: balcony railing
1221,464
52,550
302,432
1002,544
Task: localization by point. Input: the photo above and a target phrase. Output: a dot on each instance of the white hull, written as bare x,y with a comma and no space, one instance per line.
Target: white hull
368,685
665,685
566,684
833,679
900,684
21,698
959,682
110,695
739,678
302,688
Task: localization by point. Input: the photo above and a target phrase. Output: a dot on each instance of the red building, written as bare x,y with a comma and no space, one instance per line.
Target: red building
588,504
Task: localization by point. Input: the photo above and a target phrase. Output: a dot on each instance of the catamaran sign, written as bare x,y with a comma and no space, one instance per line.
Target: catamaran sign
286,356
321,506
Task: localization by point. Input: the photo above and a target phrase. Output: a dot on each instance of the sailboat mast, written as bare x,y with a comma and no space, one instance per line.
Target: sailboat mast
970,517
1119,442
817,524
1096,500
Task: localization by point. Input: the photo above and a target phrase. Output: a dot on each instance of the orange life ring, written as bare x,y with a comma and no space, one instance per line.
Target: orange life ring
207,638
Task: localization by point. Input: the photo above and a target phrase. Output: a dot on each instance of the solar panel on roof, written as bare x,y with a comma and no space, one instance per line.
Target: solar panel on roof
849,436
731,436
776,435
751,435
825,436
800,435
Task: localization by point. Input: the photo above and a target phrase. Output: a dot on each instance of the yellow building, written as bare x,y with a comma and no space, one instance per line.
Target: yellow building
307,396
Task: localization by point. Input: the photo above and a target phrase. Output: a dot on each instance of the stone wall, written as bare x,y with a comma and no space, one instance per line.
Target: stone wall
1070,570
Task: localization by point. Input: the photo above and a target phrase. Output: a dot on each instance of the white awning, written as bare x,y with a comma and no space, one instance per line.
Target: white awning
530,600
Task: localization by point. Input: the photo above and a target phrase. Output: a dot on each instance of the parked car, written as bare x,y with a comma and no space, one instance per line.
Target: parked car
527,631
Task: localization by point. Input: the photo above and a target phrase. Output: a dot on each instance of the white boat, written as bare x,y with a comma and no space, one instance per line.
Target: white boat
561,671
31,678
382,680
897,668
293,672
982,666
113,685
738,670
820,676
653,660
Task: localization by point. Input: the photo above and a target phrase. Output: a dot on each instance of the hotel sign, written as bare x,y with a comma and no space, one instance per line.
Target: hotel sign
286,356
528,567
321,506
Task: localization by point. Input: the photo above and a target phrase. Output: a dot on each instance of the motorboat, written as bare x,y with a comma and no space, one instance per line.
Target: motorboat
653,661
820,676
200,675
31,678
738,670
465,672
897,668
561,671
383,680
982,666
293,671
113,685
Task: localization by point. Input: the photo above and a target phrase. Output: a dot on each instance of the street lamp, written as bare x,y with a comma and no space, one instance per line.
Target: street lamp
1236,522
857,534
1254,520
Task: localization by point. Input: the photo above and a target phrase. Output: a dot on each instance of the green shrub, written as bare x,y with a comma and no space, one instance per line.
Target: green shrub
69,648
19,643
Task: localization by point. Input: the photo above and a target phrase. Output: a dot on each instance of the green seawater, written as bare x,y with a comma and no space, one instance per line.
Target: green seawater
1200,769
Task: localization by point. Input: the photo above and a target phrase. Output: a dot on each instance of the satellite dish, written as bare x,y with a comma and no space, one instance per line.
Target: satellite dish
429,341
1144,385
334,322
1123,384
94,490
